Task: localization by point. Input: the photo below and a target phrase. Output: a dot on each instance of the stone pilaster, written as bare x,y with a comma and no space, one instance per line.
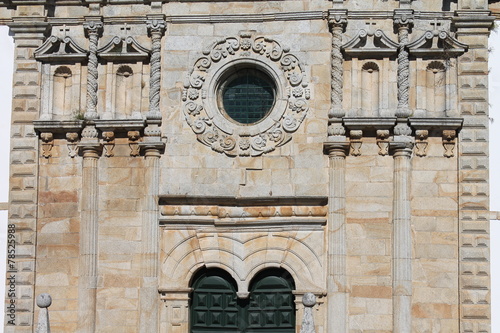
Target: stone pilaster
87,282
402,147
473,23
337,313
149,296
156,29
28,34
93,28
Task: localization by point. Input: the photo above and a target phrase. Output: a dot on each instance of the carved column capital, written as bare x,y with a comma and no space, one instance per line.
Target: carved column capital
338,146
337,19
93,26
403,18
156,25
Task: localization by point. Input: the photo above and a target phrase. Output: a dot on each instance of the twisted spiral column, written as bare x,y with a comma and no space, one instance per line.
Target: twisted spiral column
403,74
337,24
93,29
156,29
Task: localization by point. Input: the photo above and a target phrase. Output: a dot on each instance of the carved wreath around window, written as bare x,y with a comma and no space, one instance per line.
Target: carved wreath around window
235,57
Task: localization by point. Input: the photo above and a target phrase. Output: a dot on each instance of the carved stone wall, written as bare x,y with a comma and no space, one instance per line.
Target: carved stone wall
366,180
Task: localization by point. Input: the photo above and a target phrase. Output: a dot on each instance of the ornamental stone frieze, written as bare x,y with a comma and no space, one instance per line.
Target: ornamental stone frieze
203,101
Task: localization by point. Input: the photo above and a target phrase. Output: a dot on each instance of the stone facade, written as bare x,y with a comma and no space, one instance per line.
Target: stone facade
367,181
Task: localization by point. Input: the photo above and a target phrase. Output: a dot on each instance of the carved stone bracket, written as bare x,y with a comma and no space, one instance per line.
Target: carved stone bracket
47,143
421,142
449,143
309,300
356,142
72,138
133,142
200,93
383,142
109,143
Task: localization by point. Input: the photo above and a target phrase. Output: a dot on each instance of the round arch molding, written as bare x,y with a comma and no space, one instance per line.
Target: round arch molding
203,114
243,255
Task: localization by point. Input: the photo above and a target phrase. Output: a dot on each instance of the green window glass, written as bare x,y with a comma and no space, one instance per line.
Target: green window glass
248,96
270,308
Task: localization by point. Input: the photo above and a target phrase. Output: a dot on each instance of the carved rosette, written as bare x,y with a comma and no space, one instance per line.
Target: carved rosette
239,140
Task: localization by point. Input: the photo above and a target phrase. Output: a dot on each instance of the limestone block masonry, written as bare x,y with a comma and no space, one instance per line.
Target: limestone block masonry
355,199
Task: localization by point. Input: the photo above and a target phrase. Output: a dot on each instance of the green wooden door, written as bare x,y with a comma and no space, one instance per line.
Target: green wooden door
215,307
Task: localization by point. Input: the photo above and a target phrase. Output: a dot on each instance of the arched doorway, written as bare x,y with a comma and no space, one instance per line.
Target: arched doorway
270,307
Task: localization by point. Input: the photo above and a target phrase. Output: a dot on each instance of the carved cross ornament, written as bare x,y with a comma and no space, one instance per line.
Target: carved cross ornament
204,110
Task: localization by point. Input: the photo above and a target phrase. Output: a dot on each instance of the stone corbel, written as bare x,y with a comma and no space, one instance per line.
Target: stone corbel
133,142
449,137
356,142
109,143
72,138
421,142
47,143
383,142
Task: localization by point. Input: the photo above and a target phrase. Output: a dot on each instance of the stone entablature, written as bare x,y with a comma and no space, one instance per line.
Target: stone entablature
357,199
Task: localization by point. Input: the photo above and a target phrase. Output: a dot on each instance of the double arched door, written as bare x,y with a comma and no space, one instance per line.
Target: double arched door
270,307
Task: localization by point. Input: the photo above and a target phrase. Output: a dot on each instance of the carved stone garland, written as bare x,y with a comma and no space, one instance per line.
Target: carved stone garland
240,139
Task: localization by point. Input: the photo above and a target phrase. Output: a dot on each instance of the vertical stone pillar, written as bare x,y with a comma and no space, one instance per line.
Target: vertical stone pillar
403,19
156,29
473,23
87,282
149,296
337,20
28,34
93,30
152,147
337,312
402,239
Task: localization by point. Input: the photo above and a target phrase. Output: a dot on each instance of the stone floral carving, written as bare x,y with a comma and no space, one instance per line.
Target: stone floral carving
225,136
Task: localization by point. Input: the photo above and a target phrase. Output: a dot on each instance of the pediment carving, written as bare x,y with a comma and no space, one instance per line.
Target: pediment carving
60,49
123,48
437,43
371,44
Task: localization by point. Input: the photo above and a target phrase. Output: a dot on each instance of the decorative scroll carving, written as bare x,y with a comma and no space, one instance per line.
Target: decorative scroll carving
47,143
72,138
403,19
213,129
123,47
93,29
57,49
449,137
437,43
383,142
372,44
337,21
421,142
133,137
309,300
109,143
156,29
356,142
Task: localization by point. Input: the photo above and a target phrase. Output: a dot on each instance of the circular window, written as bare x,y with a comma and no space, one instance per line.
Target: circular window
247,96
